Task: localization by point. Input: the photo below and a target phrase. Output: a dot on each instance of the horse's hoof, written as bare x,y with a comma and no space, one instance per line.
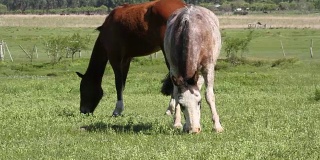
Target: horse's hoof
177,125
116,115
168,112
219,129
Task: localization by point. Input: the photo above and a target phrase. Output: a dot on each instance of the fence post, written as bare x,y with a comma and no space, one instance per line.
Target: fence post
311,45
284,54
1,51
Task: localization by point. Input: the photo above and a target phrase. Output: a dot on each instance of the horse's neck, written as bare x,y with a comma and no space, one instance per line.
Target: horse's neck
97,63
95,71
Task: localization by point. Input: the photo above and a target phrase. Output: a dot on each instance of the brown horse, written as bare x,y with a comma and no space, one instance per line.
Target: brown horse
129,31
192,45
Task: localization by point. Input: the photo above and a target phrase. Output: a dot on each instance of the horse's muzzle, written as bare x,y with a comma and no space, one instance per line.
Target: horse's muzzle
194,130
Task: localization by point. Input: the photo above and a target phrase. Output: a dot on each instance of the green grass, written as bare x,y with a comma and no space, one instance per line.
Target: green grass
269,108
267,112
266,44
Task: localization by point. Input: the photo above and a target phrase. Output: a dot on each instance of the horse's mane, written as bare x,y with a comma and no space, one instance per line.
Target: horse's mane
99,28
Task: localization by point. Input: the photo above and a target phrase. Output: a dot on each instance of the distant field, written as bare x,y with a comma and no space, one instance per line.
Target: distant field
226,21
272,21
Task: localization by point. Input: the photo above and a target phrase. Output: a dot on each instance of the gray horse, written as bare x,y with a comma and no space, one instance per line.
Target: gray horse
192,45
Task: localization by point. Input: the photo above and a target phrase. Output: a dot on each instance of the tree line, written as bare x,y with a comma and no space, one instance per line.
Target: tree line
102,6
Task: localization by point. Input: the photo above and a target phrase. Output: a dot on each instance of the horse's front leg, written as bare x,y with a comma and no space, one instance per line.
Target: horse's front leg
177,117
171,107
210,98
176,108
119,87
120,72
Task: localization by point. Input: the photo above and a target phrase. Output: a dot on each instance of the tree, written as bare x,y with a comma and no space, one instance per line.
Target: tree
62,3
84,3
316,4
73,3
102,9
92,3
239,4
226,7
76,43
3,9
284,6
43,5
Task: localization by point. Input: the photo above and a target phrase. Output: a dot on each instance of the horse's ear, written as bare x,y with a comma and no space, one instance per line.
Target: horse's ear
194,79
79,74
176,81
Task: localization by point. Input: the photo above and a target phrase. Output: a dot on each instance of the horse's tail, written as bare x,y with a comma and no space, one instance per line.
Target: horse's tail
167,86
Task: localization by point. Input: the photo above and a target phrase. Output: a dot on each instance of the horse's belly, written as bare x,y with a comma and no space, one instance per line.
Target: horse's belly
142,49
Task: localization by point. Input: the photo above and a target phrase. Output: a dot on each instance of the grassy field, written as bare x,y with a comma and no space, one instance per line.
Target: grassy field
269,109
266,43
268,113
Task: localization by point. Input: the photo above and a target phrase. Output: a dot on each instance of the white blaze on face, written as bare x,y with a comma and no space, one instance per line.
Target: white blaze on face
190,105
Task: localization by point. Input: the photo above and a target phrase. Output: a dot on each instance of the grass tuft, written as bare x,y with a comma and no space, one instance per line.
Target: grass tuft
236,61
284,61
317,95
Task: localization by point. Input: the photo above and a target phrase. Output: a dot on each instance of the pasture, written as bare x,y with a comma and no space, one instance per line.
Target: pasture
269,109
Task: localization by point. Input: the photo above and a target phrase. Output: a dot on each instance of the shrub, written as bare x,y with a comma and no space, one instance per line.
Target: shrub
54,47
76,43
284,61
59,46
233,45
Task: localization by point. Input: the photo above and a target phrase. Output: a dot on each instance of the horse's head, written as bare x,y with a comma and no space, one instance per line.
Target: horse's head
90,94
187,95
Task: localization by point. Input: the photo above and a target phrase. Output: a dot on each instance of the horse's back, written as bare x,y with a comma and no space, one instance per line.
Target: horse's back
200,18
137,28
127,16
192,40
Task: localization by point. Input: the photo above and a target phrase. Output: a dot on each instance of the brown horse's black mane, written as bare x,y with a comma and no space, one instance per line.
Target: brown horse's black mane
99,28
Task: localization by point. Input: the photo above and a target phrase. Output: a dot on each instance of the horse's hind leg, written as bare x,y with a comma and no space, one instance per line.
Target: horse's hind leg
210,98
200,82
